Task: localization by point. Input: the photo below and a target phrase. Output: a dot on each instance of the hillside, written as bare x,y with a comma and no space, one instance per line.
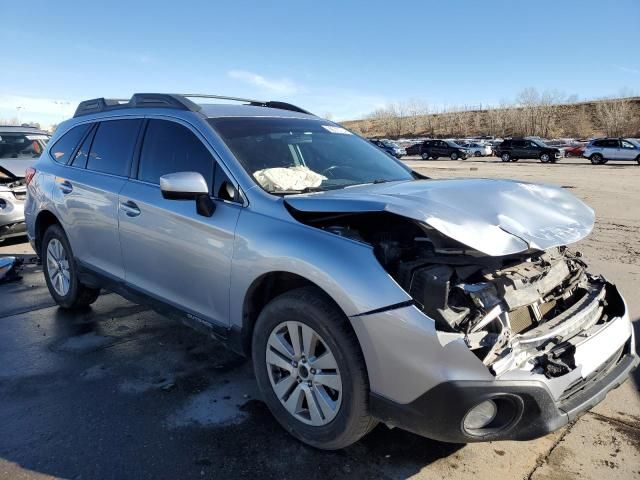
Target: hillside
614,117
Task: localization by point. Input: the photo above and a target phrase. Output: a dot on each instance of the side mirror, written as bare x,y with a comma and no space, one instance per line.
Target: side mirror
188,186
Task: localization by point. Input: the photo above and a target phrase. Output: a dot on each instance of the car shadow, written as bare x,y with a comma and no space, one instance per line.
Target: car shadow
118,391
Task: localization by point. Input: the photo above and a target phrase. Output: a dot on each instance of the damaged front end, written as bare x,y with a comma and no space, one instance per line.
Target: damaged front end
13,192
525,311
514,310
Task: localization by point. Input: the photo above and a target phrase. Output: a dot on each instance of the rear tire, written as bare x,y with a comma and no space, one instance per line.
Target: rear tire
597,159
505,157
477,154
305,312
425,156
61,272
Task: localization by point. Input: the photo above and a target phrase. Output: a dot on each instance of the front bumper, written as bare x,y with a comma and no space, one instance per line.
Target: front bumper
442,379
12,230
440,412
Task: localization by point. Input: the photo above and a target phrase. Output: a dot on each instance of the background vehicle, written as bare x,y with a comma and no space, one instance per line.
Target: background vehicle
514,149
20,147
451,290
414,149
602,150
478,149
442,148
390,147
576,150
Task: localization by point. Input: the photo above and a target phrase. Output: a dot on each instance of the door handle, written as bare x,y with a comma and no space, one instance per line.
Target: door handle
65,186
130,208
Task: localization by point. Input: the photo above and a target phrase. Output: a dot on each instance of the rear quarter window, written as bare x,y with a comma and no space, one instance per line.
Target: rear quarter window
61,150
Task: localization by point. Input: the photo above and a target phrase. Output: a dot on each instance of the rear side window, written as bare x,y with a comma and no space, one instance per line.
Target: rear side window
610,143
113,146
61,151
169,147
82,154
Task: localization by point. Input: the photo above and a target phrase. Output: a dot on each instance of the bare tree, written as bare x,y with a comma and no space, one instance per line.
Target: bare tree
614,116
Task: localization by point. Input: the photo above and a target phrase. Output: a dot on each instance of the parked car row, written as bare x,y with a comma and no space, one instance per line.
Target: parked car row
598,151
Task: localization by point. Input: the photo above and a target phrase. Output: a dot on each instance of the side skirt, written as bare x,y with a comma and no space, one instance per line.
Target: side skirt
230,337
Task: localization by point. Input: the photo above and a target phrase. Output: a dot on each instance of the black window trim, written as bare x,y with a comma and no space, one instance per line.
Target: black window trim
90,133
242,200
75,149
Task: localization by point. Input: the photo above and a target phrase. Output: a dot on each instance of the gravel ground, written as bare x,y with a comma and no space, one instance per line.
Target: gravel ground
120,392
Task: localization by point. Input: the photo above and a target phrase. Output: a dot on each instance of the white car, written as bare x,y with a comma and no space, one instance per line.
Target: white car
478,149
604,149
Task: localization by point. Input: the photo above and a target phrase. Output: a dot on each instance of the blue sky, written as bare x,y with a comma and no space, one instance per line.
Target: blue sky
331,57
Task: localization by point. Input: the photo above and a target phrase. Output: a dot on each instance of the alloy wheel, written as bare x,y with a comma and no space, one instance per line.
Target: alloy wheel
304,373
58,267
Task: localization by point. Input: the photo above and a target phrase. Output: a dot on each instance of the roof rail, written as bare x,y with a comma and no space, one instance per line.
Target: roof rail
138,100
255,103
169,100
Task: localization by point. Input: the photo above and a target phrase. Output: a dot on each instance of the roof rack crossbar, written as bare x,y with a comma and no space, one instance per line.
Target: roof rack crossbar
167,100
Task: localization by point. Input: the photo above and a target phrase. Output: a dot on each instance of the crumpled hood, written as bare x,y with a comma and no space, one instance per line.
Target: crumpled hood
16,166
496,217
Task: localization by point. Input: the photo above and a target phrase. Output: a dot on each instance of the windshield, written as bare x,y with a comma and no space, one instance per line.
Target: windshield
290,155
540,143
21,145
451,143
389,143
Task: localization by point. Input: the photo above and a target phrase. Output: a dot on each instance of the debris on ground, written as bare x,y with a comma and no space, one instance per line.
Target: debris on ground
10,268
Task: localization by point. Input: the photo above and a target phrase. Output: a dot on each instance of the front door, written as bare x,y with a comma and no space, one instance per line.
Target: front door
170,252
628,151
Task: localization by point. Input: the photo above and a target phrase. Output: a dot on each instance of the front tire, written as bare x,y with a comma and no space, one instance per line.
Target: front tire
61,272
477,154
425,156
454,156
545,158
311,371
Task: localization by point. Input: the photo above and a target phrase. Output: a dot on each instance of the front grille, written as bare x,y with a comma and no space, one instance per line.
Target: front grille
583,383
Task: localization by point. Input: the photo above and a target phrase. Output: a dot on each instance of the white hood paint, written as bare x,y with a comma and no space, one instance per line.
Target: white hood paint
495,217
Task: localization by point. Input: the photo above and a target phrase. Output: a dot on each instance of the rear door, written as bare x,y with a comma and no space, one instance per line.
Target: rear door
519,149
611,149
170,252
86,194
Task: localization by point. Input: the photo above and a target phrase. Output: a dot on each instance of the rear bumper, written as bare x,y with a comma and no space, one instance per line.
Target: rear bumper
531,411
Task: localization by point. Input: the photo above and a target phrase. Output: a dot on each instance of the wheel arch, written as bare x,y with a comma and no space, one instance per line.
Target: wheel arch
264,289
43,221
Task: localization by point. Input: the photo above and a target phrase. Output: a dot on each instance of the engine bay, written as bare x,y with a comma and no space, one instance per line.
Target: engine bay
512,310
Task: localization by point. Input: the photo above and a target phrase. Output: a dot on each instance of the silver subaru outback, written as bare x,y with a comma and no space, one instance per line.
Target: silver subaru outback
364,292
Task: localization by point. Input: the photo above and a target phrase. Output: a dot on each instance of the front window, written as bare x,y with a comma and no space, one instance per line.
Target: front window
291,155
22,145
